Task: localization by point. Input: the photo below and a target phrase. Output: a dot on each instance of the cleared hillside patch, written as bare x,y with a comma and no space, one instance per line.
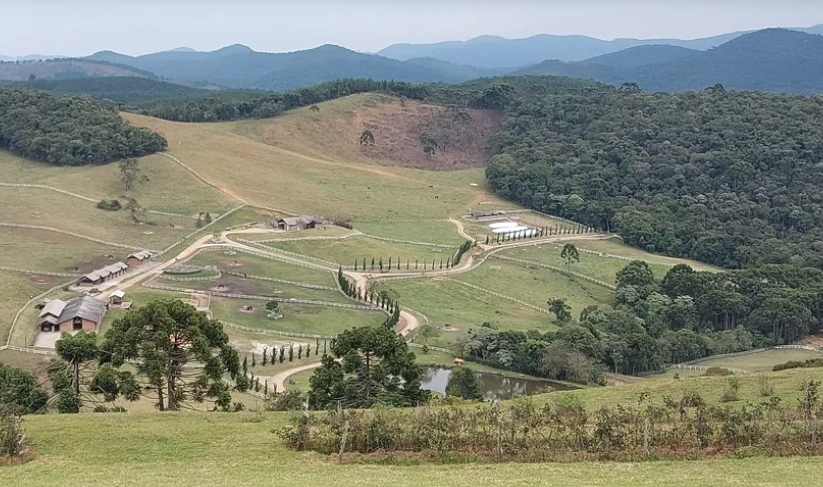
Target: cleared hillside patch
760,361
615,246
397,127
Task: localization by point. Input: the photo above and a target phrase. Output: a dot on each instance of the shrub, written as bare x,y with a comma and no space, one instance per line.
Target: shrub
342,223
285,401
797,364
718,372
13,443
764,386
109,205
731,391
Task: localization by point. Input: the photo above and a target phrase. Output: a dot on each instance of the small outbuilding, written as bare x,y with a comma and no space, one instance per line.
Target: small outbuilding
138,258
116,298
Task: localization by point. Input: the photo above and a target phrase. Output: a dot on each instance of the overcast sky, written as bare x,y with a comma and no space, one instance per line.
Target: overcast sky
134,27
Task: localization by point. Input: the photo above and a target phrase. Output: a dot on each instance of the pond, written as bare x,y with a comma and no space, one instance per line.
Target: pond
492,385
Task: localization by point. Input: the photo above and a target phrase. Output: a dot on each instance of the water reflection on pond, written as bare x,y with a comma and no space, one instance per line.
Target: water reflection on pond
492,385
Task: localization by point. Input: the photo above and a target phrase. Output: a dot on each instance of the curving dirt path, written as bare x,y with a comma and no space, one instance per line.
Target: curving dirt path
279,379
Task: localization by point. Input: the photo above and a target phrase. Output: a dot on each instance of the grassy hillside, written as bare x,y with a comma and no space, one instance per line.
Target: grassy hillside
314,165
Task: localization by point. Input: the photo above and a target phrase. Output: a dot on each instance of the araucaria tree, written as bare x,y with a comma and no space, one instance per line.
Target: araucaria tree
376,367
179,354
366,138
570,254
560,309
463,383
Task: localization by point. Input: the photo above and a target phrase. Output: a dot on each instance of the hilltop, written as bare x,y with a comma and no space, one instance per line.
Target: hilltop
775,60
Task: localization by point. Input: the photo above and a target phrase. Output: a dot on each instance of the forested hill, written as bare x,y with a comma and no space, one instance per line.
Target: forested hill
773,60
126,90
68,131
730,178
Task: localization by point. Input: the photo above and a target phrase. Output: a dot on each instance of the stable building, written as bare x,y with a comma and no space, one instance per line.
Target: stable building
81,313
138,258
103,274
303,222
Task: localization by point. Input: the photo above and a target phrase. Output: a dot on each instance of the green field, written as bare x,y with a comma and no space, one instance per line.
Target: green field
297,318
464,308
170,187
536,285
257,287
260,266
196,449
15,290
760,361
46,208
346,251
48,251
615,246
431,231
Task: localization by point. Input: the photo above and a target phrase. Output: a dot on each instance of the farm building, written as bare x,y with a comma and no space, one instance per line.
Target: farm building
103,274
138,258
116,298
303,222
81,313
487,214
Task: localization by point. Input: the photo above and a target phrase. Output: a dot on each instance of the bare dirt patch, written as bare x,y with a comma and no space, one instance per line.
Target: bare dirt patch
45,281
235,286
96,263
461,135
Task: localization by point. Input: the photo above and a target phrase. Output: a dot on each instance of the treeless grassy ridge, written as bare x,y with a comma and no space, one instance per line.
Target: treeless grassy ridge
196,449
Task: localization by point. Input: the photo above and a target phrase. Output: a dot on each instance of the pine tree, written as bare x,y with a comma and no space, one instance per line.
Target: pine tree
266,389
317,347
257,384
389,263
364,264
380,264
253,361
415,264
441,263
487,240
291,353
246,365
355,265
372,263
299,351
282,357
407,264
265,356
324,347
308,350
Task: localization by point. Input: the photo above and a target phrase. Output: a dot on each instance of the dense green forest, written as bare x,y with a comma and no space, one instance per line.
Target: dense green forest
68,131
685,316
729,178
128,90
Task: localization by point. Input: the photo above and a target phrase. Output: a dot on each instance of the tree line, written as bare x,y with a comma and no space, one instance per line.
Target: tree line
685,316
69,131
728,178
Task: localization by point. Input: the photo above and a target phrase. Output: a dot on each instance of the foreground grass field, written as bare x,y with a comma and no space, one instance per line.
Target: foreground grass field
195,449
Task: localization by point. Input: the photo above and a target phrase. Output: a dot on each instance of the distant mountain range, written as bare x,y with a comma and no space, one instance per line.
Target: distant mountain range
775,60
499,52
238,66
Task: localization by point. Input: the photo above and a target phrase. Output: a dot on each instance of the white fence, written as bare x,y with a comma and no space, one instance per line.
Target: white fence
281,281
43,273
494,293
72,234
205,227
557,269
276,332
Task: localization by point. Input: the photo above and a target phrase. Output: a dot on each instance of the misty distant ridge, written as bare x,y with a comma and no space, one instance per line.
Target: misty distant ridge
775,60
